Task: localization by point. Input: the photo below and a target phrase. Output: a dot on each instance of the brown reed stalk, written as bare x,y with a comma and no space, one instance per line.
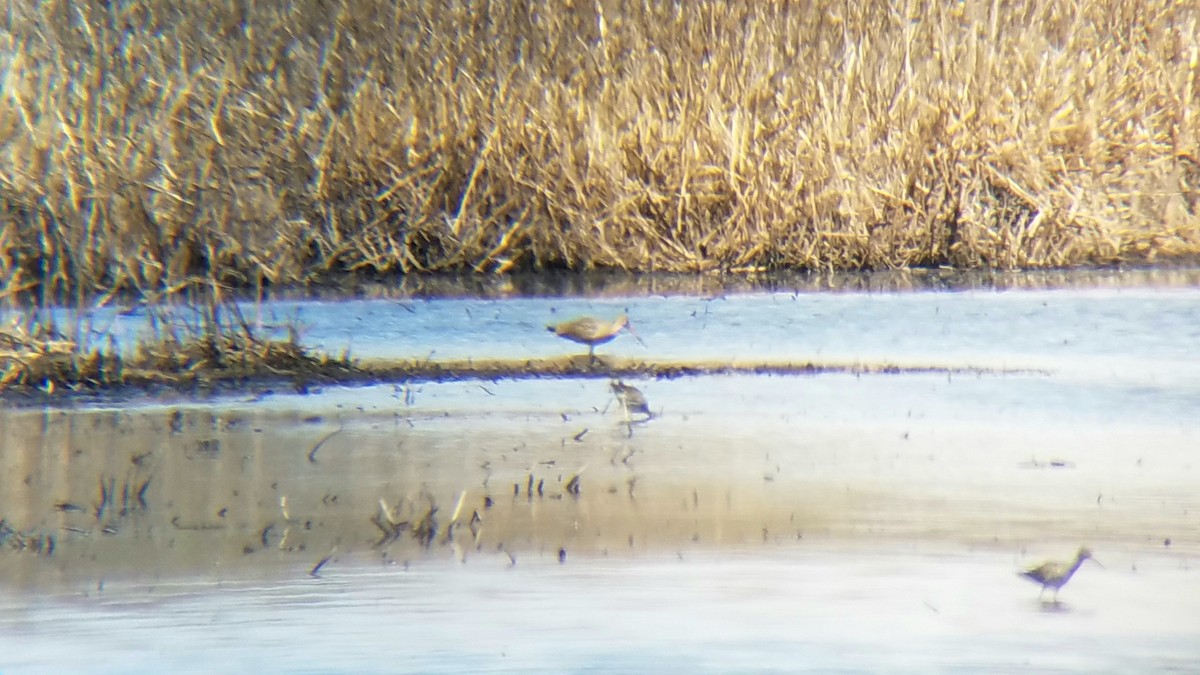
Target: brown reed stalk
151,146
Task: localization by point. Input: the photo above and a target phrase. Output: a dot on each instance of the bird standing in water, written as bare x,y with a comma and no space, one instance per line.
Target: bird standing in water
1056,574
591,332
631,399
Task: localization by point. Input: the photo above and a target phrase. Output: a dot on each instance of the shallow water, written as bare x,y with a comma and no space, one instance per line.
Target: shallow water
1098,327
770,609
827,522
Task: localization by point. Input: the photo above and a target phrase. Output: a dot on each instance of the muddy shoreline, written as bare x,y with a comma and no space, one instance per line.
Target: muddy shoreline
436,470
415,371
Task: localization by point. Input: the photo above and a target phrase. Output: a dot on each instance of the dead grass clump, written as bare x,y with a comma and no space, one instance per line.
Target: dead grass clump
221,347
33,354
154,145
221,356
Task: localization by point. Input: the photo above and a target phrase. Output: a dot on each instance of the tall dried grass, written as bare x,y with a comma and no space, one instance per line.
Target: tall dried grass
213,346
150,146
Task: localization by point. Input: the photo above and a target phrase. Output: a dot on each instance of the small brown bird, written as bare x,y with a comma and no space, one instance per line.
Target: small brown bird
631,399
591,332
1056,574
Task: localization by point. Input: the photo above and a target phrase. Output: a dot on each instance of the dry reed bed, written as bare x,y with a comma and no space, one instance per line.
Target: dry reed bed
33,355
149,146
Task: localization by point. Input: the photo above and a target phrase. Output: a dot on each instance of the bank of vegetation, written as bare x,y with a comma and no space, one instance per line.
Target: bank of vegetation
217,347
148,145
152,147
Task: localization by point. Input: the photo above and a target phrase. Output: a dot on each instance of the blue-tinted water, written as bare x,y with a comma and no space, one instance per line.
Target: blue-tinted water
919,495
1142,333
769,610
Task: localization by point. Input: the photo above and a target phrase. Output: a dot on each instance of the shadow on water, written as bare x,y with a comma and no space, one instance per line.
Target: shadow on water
1054,606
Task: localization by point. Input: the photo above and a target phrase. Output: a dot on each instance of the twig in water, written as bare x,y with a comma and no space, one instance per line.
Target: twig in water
390,526
473,525
141,492
573,484
427,529
458,506
105,498
312,454
316,570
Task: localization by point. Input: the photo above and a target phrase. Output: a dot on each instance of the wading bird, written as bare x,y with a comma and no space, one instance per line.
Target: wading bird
632,400
1055,574
591,332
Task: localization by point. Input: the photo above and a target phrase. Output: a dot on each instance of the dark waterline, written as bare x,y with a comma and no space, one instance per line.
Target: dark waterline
562,284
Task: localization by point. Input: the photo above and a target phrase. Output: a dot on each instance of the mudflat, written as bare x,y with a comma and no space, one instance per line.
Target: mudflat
271,487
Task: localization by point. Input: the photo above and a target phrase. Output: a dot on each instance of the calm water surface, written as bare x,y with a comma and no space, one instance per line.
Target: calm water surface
820,523
768,610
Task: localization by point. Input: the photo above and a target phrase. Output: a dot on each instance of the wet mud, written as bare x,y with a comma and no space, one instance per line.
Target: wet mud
279,485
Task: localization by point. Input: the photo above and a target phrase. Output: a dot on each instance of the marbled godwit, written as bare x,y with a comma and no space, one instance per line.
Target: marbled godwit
591,332
1056,574
631,399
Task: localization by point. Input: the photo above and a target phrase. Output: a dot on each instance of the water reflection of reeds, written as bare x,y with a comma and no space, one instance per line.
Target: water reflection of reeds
264,489
153,492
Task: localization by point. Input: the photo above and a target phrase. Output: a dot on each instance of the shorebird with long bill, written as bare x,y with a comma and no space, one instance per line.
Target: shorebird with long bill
591,332
1055,574
632,400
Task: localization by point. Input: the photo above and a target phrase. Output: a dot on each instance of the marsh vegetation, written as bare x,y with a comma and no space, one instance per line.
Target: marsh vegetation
155,146
154,149
181,346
